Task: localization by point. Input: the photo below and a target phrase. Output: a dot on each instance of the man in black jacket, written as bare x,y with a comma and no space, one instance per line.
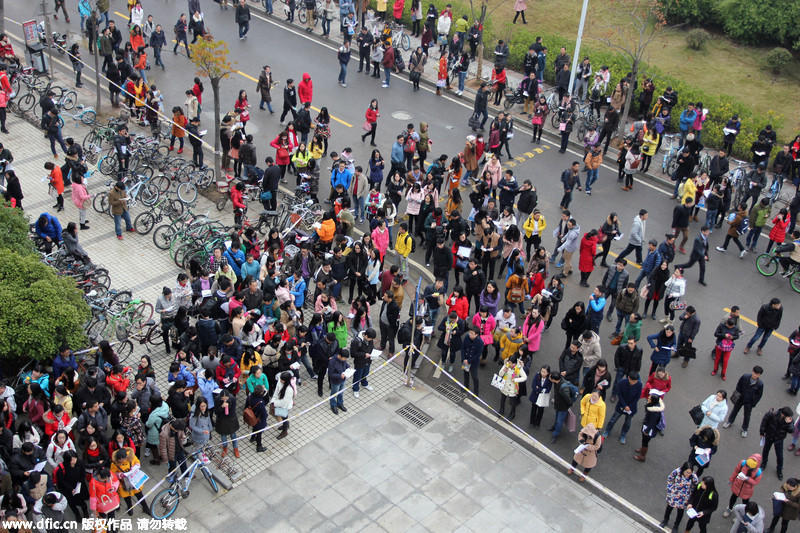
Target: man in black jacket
719,167
570,362
699,253
389,321
270,182
361,349
243,19
768,320
610,123
481,105
321,352
680,221
450,340
248,158
690,325
91,392
364,40
774,427
302,123
627,359
289,100
749,390
442,262
474,282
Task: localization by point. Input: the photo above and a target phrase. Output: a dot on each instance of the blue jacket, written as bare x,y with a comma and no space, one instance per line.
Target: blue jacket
341,178
335,368
298,290
687,119
595,310
345,7
471,349
183,374
52,229
537,387
250,269
206,388
661,353
235,260
375,172
652,260
84,8
397,152
628,395
60,364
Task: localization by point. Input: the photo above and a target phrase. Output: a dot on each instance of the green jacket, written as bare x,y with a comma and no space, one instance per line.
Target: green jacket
340,332
461,25
632,330
758,215
252,382
102,6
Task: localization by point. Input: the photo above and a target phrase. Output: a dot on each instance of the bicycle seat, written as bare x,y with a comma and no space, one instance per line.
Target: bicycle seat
150,322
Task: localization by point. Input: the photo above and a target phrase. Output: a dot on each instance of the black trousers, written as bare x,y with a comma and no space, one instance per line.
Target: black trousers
473,373
701,261
286,109
388,333
320,369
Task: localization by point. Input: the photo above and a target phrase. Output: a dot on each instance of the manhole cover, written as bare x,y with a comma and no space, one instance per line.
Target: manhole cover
414,415
401,115
450,391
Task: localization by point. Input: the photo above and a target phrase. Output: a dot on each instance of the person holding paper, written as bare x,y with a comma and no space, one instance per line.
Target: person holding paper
362,348
125,466
702,503
338,372
70,479
774,427
653,412
586,453
703,445
743,481
679,488
59,445
785,504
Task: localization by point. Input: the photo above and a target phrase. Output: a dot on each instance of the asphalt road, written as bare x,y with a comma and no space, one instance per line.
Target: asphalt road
731,281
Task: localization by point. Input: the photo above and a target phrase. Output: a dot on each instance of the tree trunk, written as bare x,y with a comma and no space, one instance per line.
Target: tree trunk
217,161
479,71
628,99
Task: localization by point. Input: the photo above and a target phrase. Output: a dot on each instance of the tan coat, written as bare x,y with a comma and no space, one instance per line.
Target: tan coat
593,161
116,200
587,458
470,156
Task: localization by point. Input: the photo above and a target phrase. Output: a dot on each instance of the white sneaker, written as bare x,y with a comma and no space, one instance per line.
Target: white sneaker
385,86
726,425
744,433
742,253
147,452
355,394
721,249
344,85
369,387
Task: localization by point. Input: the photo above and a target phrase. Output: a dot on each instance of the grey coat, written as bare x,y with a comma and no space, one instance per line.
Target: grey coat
71,244
637,231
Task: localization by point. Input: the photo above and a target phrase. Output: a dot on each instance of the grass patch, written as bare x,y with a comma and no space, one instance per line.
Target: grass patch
722,67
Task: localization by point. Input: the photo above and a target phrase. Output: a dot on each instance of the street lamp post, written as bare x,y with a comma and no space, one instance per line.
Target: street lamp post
577,47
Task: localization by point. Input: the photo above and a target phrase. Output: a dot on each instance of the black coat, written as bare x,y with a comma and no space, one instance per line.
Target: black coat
627,360
774,427
392,313
570,364
751,392
455,336
272,178
527,201
359,349
704,501
769,318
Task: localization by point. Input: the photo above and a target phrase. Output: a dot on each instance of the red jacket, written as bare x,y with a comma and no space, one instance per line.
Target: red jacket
236,199
118,382
586,257
222,370
305,89
51,422
282,155
461,307
103,497
371,115
778,231
664,385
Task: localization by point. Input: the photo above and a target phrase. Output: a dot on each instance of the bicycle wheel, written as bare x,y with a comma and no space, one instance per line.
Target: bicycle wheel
149,194
144,222
581,129
102,279
154,336
210,478
301,15
123,350
162,183
68,100
97,327
180,254
554,120
794,281
108,164
174,209
405,42
767,265
187,192
162,236
142,314
120,299
672,166
165,503
27,103
100,202
221,202
89,117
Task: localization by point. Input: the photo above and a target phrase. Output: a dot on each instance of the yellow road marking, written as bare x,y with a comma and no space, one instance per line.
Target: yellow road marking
754,323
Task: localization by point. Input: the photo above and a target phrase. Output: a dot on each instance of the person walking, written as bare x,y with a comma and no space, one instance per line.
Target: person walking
663,344
768,320
680,483
736,228
627,391
653,416
181,35
471,350
636,236
541,388
243,19
699,253
775,424
371,120
743,481
747,394
343,57
570,179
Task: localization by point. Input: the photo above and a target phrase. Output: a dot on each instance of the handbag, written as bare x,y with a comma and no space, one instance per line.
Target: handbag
736,397
272,409
616,340
497,382
572,421
644,292
367,126
677,305
697,415
249,416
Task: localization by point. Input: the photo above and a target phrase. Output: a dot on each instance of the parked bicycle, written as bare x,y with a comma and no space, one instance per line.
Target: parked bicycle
670,161
167,500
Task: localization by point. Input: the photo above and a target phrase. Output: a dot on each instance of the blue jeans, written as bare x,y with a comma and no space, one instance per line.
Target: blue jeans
233,439
432,314
766,332
626,425
639,278
462,77
677,184
711,218
387,73
118,223
621,317
360,378
336,399
157,56
268,6
591,177
620,374
795,386
361,210
269,105
244,27
342,72
326,25
143,74
561,416
104,17
752,237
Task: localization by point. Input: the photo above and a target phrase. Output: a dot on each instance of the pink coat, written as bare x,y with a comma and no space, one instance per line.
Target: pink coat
494,172
79,195
380,240
778,231
533,334
487,332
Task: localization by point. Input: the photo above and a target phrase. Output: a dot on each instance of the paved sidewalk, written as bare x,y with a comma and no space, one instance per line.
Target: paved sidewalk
376,471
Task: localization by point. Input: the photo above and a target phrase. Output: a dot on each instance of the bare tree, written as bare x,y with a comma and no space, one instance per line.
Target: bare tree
633,27
484,13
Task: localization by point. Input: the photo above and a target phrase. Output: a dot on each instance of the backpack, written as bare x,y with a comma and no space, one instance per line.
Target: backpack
413,243
249,416
636,161
409,144
744,226
404,334
572,390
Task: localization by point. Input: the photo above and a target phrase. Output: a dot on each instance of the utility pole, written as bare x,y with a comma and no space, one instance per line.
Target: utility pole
577,48
48,37
2,17
96,74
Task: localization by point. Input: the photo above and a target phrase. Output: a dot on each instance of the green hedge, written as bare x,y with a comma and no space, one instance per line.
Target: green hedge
720,107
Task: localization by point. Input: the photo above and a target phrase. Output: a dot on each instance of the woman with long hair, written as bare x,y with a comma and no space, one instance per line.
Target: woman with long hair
283,400
371,120
283,152
242,107
609,229
322,127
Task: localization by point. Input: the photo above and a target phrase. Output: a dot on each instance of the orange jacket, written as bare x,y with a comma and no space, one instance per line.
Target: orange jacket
326,230
118,382
57,179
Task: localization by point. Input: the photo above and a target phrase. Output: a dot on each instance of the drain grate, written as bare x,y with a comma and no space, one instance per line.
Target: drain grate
414,415
450,391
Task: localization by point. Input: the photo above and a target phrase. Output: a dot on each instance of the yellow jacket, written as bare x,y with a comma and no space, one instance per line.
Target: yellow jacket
689,190
650,143
301,159
402,245
509,344
316,152
528,225
593,413
123,467
245,367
